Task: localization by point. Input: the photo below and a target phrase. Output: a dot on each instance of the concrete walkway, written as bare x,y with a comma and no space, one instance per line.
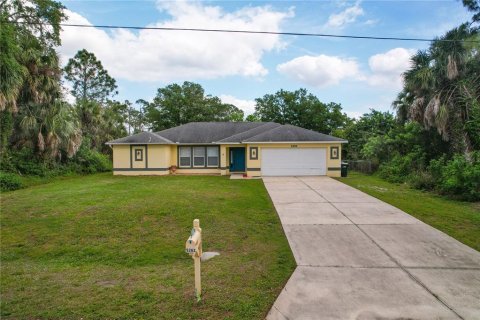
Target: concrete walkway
360,258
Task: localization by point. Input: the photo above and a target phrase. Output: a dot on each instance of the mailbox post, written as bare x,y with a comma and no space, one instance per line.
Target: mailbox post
193,246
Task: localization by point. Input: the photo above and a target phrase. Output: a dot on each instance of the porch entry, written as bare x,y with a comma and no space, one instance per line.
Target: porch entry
237,159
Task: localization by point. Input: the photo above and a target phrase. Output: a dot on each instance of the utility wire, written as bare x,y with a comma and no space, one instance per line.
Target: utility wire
324,35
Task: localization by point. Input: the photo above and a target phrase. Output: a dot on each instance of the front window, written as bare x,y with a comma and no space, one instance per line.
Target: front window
199,156
185,156
212,156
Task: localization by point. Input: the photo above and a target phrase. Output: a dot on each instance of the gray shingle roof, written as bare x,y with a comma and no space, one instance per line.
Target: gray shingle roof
239,137
142,138
289,133
227,132
206,132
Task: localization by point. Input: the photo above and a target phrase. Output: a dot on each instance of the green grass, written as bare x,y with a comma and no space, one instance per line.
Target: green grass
461,220
112,247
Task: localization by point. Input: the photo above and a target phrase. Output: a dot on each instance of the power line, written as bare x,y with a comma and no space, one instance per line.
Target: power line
324,35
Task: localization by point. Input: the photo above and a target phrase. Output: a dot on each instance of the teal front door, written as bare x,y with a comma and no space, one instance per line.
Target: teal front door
237,159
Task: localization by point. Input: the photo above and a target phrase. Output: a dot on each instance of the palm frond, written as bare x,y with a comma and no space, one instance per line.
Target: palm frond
441,120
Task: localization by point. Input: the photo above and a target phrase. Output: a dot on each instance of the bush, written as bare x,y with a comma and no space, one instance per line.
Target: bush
398,169
90,161
458,176
10,181
24,161
395,170
422,180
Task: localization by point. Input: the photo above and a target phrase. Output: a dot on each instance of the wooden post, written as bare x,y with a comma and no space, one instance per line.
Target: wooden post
198,282
193,246
196,258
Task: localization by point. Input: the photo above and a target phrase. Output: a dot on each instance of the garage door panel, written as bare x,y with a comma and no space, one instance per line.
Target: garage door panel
290,161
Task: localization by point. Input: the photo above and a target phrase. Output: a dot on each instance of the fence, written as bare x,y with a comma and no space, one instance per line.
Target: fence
365,166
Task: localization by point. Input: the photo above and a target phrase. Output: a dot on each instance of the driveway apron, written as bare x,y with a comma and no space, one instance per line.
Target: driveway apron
361,258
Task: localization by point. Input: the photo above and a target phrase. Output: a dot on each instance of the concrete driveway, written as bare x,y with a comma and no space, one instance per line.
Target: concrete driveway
360,258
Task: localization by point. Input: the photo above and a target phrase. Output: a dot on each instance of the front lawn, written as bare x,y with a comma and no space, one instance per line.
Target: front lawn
104,246
461,220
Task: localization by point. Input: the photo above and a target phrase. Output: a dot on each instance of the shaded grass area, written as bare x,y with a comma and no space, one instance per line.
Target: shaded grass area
104,246
460,220
30,180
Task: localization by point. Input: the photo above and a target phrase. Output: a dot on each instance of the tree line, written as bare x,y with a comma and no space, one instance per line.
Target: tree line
36,114
431,140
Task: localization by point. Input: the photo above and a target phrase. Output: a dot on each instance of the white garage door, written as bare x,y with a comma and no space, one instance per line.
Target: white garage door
294,161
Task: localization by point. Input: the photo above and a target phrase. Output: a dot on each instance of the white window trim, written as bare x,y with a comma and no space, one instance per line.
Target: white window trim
218,157
180,157
204,157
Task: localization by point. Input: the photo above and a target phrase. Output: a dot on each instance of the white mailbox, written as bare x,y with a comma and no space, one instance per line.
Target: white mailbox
193,246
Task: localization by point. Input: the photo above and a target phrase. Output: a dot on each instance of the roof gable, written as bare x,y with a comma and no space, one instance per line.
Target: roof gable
142,138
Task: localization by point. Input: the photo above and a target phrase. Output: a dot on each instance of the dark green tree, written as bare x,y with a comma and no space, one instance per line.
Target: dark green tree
101,118
136,120
252,118
113,121
473,6
373,124
90,81
179,104
302,109
33,113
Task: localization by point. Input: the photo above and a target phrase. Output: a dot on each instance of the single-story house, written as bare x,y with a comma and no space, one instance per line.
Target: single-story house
253,148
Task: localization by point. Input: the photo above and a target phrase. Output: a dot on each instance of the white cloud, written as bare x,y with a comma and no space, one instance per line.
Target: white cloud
354,114
248,106
387,68
320,71
347,16
152,55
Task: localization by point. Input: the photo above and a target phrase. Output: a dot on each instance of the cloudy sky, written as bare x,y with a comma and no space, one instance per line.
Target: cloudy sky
359,74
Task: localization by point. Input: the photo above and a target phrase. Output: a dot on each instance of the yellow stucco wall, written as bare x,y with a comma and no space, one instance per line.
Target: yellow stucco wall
159,156
223,160
173,156
164,156
153,157
121,156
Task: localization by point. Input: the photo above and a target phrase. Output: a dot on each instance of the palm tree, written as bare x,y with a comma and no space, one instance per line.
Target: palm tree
12,72
442,88
401,105
49,129
43,120
30,89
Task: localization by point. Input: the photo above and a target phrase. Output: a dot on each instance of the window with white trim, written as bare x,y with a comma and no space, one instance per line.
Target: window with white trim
185,155
212,156
199,156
